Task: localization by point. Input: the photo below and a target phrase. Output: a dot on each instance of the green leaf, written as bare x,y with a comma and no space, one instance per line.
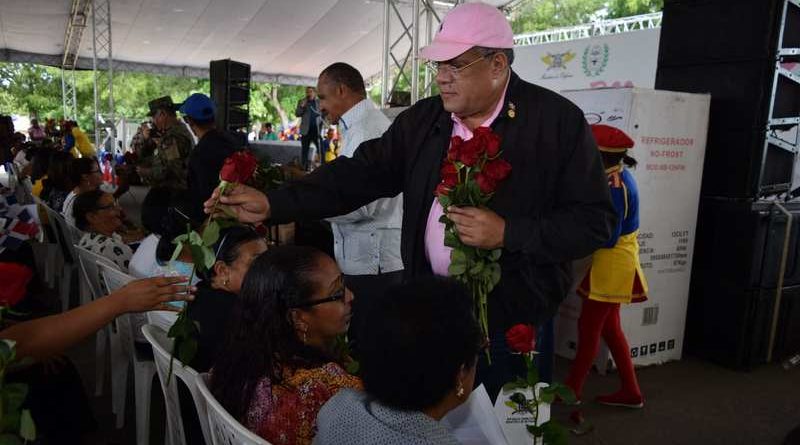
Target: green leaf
211,233
457,256
6,352
180,239
495,254
565,392
177,252
554,434
27,428
456,269
535,430
494,270
195,239
510,404
451,239
444,201
187,350
14,395
10,439
224,223
201,256
477,268
546,397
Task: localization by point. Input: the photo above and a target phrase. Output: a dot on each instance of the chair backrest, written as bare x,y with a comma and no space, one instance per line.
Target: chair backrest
91,273
162,344
224,429
64,234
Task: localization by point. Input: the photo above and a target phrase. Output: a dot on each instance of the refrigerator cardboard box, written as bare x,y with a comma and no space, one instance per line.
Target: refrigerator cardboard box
669,129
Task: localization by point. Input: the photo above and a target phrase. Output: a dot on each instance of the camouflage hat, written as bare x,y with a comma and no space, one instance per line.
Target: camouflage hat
162,103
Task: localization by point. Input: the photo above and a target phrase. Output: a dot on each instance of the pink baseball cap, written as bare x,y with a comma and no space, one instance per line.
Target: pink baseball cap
468,25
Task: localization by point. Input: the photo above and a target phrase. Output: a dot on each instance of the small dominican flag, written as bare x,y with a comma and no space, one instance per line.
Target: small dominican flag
17,223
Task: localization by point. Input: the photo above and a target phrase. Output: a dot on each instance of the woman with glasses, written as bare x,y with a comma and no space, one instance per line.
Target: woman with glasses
236,249
281,361
418,351
98,214
85,176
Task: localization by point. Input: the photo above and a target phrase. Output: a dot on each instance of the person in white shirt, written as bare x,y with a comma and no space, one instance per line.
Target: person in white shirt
367,240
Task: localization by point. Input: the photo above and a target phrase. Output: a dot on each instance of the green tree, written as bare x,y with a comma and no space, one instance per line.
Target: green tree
541,15
34,90
627,8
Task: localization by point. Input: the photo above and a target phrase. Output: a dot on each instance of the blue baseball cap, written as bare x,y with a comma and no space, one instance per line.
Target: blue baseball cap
199,107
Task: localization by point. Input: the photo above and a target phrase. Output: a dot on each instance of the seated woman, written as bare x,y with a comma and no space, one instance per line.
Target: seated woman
217,292
417,363
58,185
98,214
85,176
281,362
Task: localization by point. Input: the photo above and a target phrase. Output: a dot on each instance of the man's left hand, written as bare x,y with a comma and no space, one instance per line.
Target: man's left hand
478,227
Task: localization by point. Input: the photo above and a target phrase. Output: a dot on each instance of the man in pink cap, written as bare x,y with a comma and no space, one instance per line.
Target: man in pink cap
554,207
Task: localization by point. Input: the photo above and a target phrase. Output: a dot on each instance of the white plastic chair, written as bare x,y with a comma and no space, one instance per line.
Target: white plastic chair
223,428
89,265
70,258
162,345
123,353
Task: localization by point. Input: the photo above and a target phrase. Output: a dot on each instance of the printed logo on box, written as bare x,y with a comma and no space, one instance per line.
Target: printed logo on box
557,65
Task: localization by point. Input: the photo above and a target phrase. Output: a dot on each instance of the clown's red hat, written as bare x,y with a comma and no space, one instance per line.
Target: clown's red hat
611,139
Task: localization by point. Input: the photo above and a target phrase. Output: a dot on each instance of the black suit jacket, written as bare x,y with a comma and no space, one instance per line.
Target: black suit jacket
555,203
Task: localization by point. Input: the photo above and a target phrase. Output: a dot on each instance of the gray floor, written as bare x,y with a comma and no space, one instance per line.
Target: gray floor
687,402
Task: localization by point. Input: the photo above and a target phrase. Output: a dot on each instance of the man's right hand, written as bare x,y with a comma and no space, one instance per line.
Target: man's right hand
248,204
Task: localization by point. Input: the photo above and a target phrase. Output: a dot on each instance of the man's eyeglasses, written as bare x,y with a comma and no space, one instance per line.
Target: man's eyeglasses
449,69
336,296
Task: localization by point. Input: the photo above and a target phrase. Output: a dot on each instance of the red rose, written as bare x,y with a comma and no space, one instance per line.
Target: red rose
442,190
239,167
488,139
485,183
470,152
455,147
521,338
497,169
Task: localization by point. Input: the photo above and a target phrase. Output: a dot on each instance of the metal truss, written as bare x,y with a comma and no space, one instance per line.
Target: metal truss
400,56
102,64
72,44
585,31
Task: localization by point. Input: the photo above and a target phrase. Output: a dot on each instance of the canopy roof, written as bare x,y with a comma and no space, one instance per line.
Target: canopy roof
293,39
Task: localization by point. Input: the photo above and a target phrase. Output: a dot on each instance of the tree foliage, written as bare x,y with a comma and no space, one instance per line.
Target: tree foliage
540,15
35,91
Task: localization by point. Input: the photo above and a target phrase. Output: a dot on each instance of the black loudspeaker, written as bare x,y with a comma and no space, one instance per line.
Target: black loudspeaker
729,48
734,282
230,91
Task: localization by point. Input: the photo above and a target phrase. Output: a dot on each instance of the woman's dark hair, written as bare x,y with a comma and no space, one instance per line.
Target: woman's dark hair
58,176
262,337
80,167
40,162
428,321
615,158
85,203
165,213
226,249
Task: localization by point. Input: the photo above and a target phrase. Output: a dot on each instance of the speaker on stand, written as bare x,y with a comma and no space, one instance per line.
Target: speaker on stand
744,301
230,91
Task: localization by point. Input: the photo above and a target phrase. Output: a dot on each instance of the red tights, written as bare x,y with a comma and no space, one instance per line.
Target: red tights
599,318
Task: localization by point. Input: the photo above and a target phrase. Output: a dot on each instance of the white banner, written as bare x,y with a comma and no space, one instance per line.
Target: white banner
618,60
670,133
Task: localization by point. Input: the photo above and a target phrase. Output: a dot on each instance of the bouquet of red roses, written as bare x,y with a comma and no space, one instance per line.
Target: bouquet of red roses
470,175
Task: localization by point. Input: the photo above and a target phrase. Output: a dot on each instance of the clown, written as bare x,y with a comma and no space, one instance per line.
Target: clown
615,276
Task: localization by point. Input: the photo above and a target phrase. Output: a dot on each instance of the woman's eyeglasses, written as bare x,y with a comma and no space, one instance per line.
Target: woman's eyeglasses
336,296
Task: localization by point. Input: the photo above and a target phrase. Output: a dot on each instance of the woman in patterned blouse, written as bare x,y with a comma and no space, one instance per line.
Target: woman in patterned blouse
98,214
280,362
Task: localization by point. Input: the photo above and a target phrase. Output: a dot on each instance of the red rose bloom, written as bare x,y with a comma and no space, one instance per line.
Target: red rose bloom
455,147
442,190
239,167
521,338
485,183
488,139
470,152
497,169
